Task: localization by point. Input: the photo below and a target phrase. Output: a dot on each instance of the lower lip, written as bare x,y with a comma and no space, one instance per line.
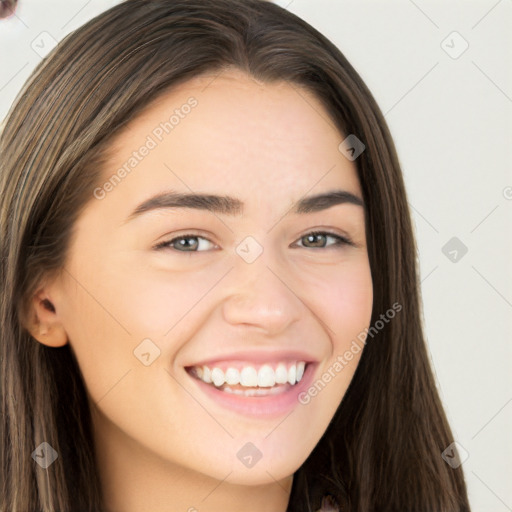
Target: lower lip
270,406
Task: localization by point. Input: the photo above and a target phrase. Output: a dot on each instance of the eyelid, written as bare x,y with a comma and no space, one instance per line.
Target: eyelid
165,244
342,240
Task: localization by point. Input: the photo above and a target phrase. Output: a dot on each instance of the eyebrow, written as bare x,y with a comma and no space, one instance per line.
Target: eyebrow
231,206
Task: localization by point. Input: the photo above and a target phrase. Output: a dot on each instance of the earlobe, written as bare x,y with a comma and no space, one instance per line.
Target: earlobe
52,336
45,325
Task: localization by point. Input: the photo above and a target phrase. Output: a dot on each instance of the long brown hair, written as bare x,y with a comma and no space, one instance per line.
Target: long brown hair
382,450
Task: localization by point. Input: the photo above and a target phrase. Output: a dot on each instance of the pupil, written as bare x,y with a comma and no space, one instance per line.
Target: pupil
184,242
311,239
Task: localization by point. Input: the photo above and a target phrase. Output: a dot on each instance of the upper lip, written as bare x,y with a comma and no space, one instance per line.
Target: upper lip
258,356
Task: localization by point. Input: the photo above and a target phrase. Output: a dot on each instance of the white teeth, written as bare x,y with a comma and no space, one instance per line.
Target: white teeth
232,376
252,391
281,374
249,377
292,373
268,376
227,389
207,375
300,370
218,377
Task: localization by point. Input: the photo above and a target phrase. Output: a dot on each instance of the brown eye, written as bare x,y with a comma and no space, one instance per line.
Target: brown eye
184,243
318,239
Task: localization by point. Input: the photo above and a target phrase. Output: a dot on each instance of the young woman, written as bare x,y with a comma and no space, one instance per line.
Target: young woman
209,295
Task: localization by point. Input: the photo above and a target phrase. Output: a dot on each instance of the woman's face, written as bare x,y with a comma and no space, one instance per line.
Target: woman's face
151,295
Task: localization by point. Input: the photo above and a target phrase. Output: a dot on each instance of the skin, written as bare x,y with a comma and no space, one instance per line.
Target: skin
161,444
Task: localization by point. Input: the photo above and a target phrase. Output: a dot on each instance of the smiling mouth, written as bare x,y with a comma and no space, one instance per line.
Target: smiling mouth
251,380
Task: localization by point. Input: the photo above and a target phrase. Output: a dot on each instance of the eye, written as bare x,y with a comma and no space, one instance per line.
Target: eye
185,243
192,243
318,239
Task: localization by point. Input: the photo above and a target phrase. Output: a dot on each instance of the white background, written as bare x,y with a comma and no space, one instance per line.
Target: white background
451,119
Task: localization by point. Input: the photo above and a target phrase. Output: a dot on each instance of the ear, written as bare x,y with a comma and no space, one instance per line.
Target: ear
44,324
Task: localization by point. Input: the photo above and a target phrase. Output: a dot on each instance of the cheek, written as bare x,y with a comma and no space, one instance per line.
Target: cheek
109,309
99,311
99,338
157,303
343,301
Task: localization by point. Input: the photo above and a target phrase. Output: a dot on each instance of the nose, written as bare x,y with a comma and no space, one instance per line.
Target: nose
262,298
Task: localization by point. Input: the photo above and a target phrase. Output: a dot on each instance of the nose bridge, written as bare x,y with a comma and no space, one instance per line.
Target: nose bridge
259,295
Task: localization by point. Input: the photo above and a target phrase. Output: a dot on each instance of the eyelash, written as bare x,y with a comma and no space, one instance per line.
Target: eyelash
340,241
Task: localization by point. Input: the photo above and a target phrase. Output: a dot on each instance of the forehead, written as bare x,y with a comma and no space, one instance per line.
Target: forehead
231,134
